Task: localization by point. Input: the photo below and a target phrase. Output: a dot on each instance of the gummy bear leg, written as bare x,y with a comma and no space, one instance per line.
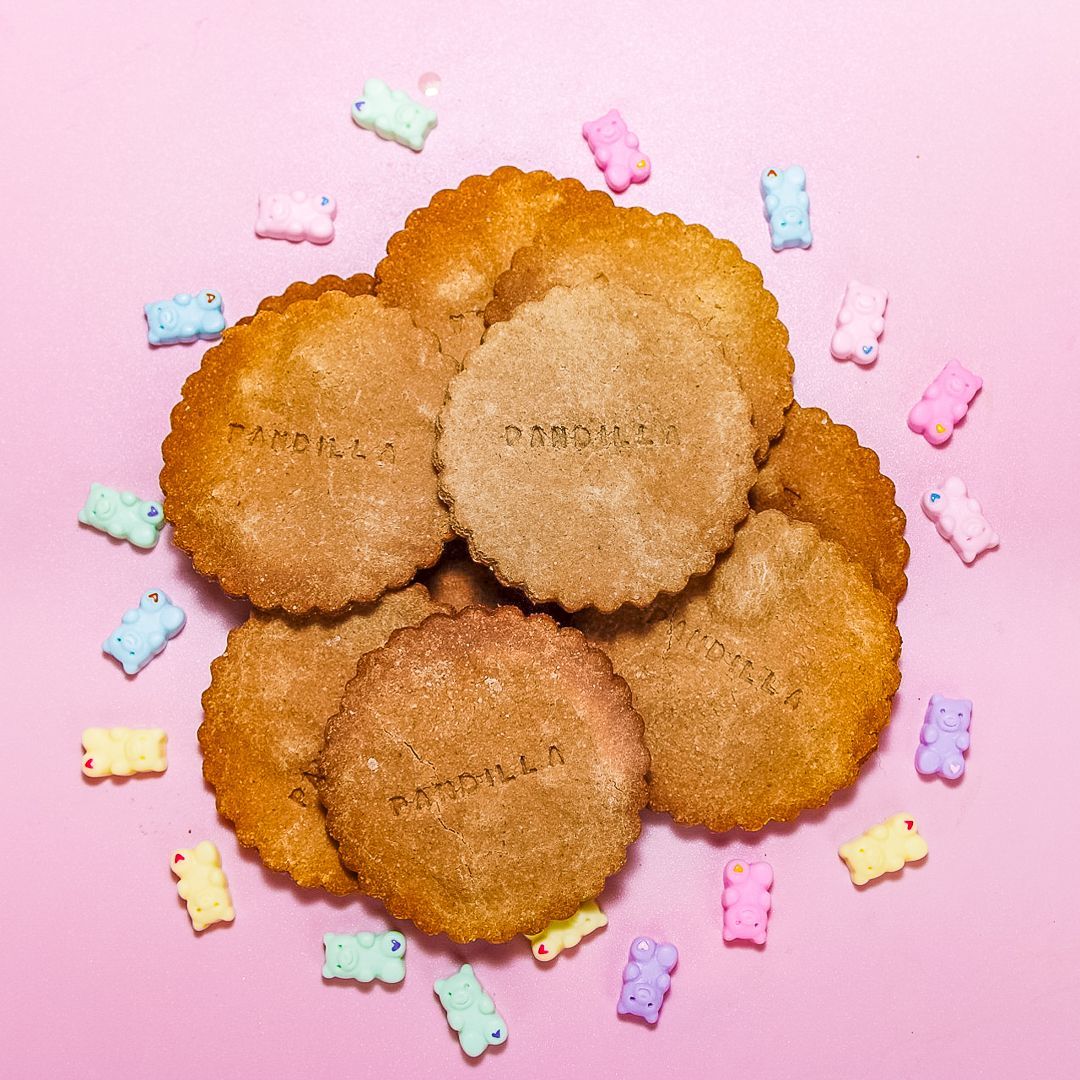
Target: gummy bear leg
953,767
618,177
927,761
473,1041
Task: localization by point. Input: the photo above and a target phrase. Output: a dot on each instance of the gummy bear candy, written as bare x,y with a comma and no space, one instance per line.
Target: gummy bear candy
959,519
392,114
787,207
747,900
203,884
123,515
883,849
646,978
365,956
944,737
297,217
184,318
944,403
470,1012
566,933
616,151
121,751
860,323
144,631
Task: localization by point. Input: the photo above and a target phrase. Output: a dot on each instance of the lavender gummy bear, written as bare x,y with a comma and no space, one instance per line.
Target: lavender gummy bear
646,978
944,738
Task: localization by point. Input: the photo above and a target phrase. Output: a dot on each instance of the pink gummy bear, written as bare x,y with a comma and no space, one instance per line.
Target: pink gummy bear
860,323
945,402
959,518
747,900
616,151
297,217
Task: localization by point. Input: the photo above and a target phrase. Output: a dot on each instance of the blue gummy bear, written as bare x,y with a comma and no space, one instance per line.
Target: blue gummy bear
184,318
144,630
944,737
365,956
470,1012
787,207
646,978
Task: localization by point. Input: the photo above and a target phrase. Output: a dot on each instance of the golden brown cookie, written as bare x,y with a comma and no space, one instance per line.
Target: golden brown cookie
594,450
485,774
458,582
817,472
692,270
357,285
265,712
764,685
443,264
298,469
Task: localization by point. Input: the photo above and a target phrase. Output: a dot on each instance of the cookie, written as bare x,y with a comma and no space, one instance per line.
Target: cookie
696,273
265,711
443,264
817,472
594,450
484,774
298,469
764,685
457,582
357,285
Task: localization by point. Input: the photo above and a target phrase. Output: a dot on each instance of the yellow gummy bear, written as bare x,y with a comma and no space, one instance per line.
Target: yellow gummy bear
883,849
121,751
203,884
566,933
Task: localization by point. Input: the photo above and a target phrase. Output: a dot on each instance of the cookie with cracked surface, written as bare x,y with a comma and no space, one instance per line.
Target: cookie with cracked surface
690,269
594,451
264,715
443,264
356,285
817,472
298,469
485,773
765,684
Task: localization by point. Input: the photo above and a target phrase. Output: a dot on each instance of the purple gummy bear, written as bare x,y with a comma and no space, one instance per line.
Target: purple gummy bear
944,738
646,978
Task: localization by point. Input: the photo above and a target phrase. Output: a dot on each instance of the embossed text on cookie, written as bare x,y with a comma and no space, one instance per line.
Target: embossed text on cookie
466,784
710,649
242,436
617,437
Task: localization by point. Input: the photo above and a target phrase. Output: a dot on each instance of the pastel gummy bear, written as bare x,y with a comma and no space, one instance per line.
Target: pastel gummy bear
143,631
123,515
184,318
646,978
944,737
392,114
365,956
297,217
860,323
747,900
616,151
121,751
959,519
883,849
566,933
203,884
787,207
470,1012
944,403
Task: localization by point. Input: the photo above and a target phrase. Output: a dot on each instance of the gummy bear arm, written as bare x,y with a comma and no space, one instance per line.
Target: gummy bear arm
845,317
878,326
803,200
631,140
486,1005
958,409
130,616
603,155
663,982
929,734
932,391
963,741
771,203
729,896
631,971
456,1019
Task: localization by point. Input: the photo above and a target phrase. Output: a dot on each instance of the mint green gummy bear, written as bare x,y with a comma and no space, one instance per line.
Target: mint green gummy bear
123,515
365,956
470,1012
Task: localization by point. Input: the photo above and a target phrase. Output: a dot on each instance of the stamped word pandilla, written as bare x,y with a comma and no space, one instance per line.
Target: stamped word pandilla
597,437
468,783
300,442
710,649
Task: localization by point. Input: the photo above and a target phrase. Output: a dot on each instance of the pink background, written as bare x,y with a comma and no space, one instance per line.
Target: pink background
942,163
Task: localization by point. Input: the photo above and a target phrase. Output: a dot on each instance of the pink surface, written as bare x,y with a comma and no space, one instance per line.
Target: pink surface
941,160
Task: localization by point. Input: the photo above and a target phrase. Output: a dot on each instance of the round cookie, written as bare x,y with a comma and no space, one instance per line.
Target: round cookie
357,285
485,773
817,472
594,450
764,685
298,469
693,271
264,716
443,264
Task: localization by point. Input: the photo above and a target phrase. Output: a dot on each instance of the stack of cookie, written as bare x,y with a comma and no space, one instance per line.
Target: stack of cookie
673,585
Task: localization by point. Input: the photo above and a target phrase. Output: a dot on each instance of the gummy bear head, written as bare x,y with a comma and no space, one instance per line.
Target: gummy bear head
952,715
865,856
341,953
393,944
162,316
789,222
275,207
143,749
639,999
959,382
101,504
610,128
460,990
866,299
411,119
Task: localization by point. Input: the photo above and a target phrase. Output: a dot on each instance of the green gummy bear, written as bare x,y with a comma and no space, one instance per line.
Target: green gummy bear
470,1012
